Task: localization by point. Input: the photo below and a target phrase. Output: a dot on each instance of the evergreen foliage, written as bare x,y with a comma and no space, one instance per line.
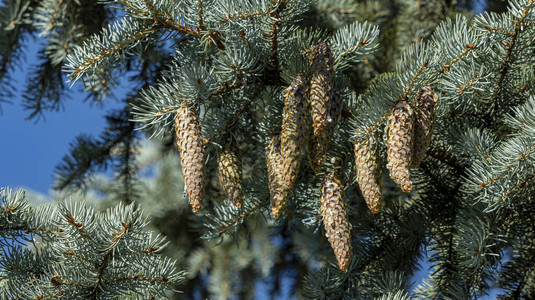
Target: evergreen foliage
240,70
78,253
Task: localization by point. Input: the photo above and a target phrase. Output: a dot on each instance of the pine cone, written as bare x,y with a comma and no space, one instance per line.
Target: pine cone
294,133
277,190
399,143
423,126
335,218
230,173
320,144
321,99
190,146
367,164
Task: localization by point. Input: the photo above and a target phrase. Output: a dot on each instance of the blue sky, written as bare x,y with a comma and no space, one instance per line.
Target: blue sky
31,149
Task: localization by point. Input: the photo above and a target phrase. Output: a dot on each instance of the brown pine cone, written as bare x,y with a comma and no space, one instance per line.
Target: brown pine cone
321,99
399,144
294,133
367,163
192,156
423,126
335,221
277,190
320,144
230,172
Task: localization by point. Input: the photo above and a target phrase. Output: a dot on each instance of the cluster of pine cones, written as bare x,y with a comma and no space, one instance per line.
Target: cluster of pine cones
316,102
192,157
408,136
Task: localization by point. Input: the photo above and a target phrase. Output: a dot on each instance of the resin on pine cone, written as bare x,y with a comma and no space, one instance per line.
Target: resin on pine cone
335,220
399,144
423,126
192,155
367,164
277,190
320,144
321,100
229,167
293,135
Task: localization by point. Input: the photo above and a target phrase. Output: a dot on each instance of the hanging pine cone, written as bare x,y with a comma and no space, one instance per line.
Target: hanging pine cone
367,164
321,100
230,172
277,190
294,132
335,219
399,143
320,144
190,146
423,126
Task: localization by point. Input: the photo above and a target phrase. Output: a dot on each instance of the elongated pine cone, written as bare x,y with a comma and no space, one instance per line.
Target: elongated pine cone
399,144
335,219
277,190
320,144
192,156
423,127
293,135
321,99
367,164
229,167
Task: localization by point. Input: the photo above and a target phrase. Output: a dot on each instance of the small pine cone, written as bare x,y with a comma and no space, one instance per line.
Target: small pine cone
277,190
320,144
230,173
294,130
423,126
367,164
192,156
399,143
335,219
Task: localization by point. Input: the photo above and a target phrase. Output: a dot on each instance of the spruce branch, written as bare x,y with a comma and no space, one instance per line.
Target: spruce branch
506,65
276,23
99,49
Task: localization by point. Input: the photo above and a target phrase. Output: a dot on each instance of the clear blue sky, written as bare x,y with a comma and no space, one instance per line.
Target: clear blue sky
31,150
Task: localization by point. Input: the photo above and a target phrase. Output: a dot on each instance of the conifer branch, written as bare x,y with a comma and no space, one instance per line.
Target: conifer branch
223,228
413,80
54,17
518,186
492,28
29,229
522,156
461,90
107,52
506,65
100,272
200,7
245,15
133,9
447,66
276,24
77,226
243,109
